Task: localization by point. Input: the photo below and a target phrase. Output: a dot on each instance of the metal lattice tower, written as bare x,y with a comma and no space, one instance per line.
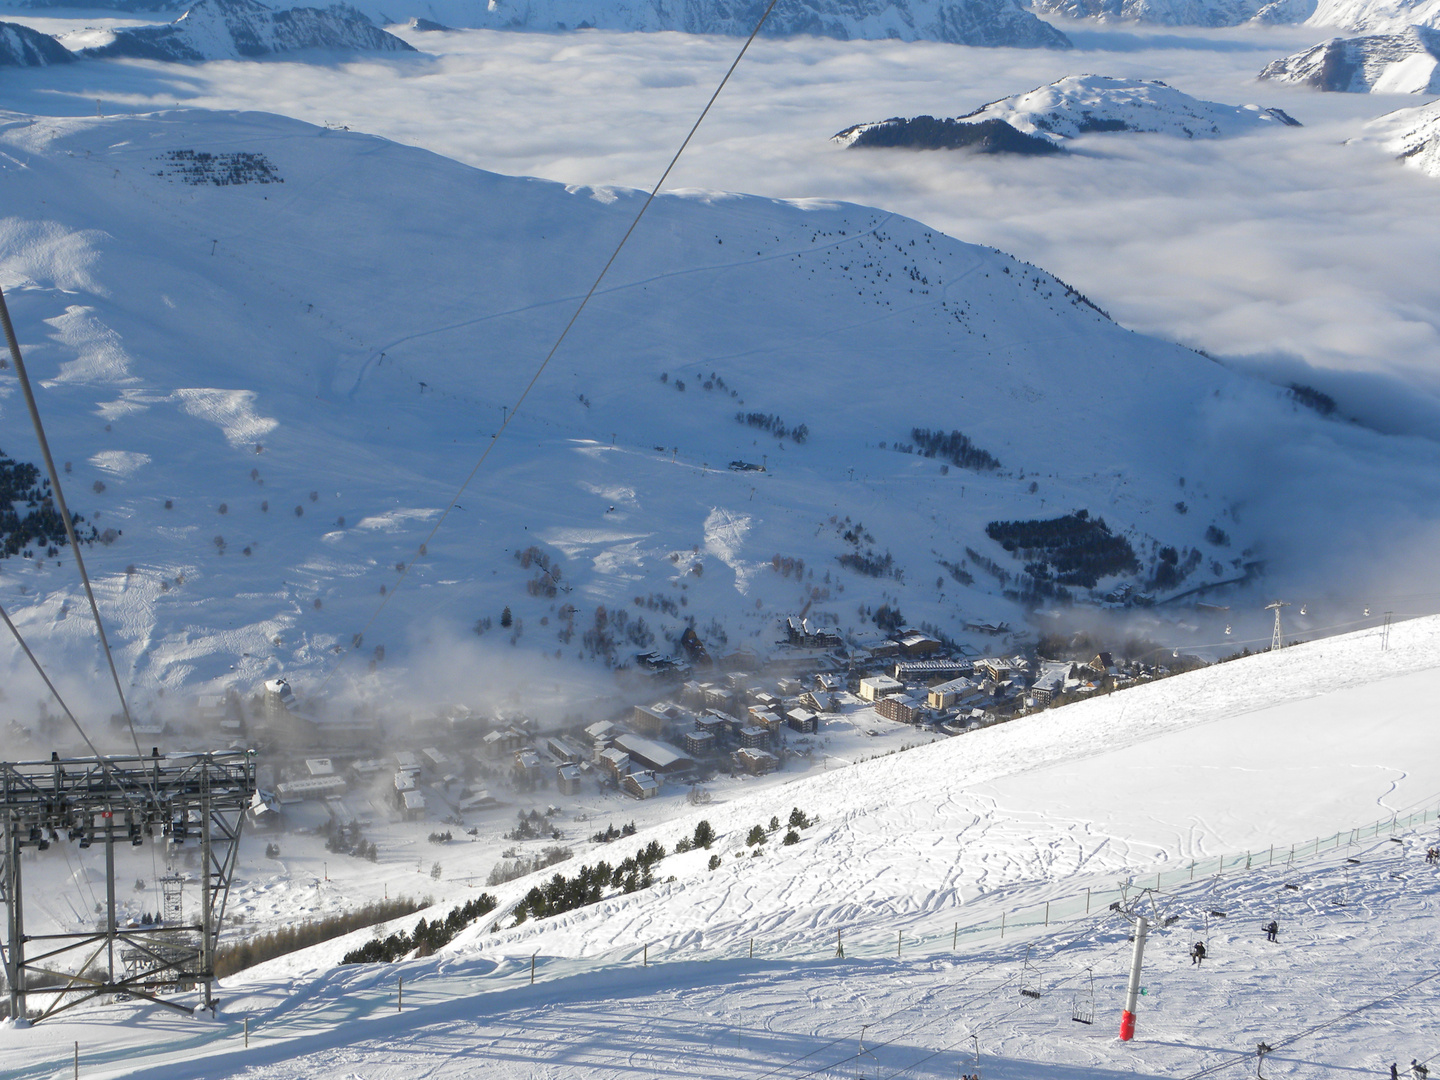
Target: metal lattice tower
172,895
119,800
1277,640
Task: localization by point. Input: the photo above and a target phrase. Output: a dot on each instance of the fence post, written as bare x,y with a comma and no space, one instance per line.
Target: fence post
645,961
899,937
1087,901
1047,912
1002,926
1157,882
1192,871
247,1032
532,968
1272,856
752,948
77,1061
955,945
399,992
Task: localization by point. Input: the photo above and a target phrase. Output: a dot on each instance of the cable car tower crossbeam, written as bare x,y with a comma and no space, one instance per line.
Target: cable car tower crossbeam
125,800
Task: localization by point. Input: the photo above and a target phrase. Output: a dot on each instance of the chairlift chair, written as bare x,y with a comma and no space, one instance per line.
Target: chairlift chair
1082,1010
1029,977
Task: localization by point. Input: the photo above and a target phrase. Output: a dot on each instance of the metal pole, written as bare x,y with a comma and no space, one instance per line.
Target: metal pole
646,962
247,1033
77,1060
109,896
399,992
954,945
1002,926
532,968
207,907
1047,912
752,948
15,910
1087,901
1132,992
899,937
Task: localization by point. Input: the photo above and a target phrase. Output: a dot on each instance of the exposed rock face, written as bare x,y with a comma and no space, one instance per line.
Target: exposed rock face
1403,63
237,29
22,47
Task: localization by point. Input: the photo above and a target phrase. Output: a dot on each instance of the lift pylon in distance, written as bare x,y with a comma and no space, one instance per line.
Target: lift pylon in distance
127,800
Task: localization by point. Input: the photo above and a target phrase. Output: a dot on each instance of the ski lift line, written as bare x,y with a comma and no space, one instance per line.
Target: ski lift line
1289,1040
25,647
24,377
539,371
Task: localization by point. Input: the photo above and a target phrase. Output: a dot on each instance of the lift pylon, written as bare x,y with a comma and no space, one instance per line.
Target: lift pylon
120,800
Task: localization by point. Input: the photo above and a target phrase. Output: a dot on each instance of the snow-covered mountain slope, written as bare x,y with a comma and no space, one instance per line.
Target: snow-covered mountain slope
1412,135
1377,16
732,971
1079,105
236,29
961,22
1407,62
271,353
1179,12
21,46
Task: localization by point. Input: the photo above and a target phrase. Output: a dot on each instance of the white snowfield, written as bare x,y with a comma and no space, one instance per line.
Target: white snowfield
1413,135
304,349
1079,104
1274,749
1404,62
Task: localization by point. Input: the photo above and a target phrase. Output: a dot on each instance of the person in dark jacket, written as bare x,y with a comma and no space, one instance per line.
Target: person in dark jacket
1197,952
1272,930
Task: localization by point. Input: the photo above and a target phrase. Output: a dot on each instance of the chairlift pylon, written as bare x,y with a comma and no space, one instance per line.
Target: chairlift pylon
1083,1011
1029,977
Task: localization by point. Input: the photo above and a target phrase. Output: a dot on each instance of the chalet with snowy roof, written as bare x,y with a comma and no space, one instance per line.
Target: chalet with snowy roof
412,805
614,762
601,731
320,766
902,708
527,766
875,687
876,648
755,762
717,723
817,700
642,785
917,645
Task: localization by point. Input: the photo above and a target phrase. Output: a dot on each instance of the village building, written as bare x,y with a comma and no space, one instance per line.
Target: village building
642,785
311,787
601,731
803,721
615,762
654,720
567,779
527,766
755,737
699,743
877,686
915,644
755,762
902,708
908,671
652,754
412,805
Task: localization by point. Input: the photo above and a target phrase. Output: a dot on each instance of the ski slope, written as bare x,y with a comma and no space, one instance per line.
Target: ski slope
1274,749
